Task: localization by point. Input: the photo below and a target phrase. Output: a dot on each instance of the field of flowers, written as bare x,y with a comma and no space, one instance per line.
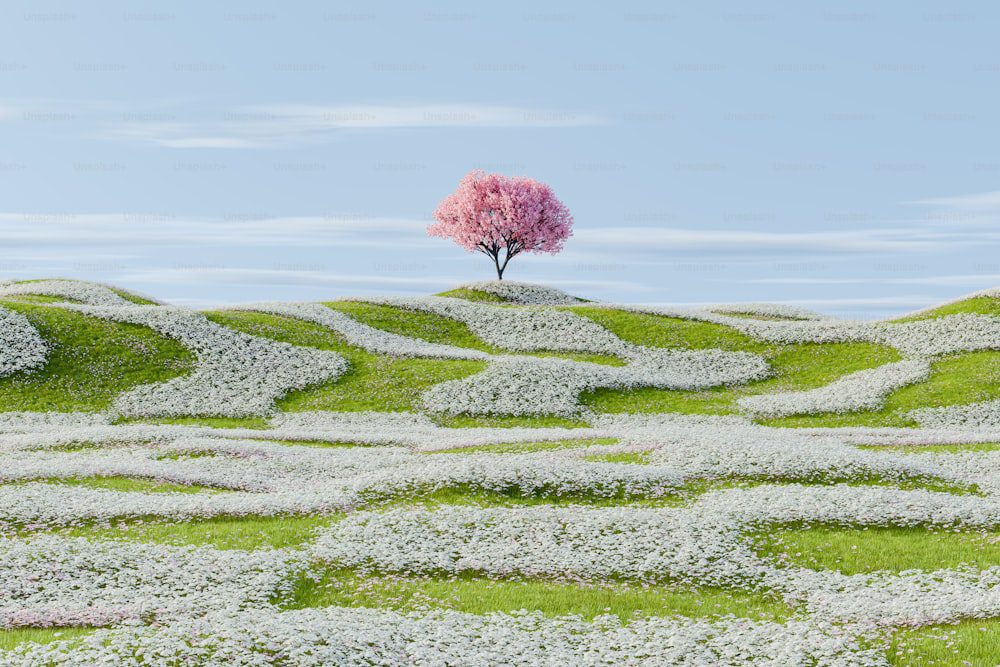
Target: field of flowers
502,474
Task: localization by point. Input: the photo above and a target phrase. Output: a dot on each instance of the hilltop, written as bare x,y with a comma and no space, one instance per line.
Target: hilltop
495,354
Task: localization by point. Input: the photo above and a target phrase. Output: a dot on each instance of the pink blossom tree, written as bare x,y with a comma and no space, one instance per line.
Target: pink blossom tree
503,216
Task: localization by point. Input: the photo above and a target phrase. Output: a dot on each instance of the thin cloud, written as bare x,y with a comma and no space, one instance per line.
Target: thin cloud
981,200
282,125
753,241
971,280
138,229
429,115
304,278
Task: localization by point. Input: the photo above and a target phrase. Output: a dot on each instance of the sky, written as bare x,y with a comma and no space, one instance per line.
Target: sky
843,157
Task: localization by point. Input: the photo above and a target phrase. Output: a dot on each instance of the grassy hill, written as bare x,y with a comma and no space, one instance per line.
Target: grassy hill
420,467
93,360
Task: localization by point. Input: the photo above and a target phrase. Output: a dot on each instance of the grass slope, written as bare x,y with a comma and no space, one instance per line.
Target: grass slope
981,305
93,360
90,362
872,549
669,332
442,330
473,295
971,643
795,367
378,382
956,379
372,382
478,595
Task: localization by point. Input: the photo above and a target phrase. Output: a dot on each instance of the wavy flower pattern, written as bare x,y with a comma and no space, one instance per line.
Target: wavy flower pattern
686,516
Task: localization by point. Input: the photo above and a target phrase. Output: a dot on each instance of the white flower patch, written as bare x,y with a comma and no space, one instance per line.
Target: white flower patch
363,637
984,414
33,422
37,506
363,336
269,479
861,390
403,429
53,581
21,346
519,386
571,542
517,329
892,436
754,452
551,386
144,463
73,290
965,332
658,425
83,435
522,293
529,475
886,599
724,446
850,505
979,468
698,544
689,369
369,428
237,375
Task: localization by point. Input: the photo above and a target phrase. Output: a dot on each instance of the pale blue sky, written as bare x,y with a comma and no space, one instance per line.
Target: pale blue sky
843,157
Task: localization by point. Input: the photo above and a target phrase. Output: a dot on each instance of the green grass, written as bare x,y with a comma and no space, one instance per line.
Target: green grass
982,305
477,595
134,298
973,642
129,484
211,422
40,298
414,324
12,637
527,447
372,382
90,362
513,497
314,443
473,295
381,384
862,550
590,357
46,298
442,330
955,380
795,368
222,532
669,332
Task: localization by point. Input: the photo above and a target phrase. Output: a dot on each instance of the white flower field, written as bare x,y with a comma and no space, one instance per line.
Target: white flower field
502,474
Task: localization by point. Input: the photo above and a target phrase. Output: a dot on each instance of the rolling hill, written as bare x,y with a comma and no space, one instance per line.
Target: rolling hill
503,471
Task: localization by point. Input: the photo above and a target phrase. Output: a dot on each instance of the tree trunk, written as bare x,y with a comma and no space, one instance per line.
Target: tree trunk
496,261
